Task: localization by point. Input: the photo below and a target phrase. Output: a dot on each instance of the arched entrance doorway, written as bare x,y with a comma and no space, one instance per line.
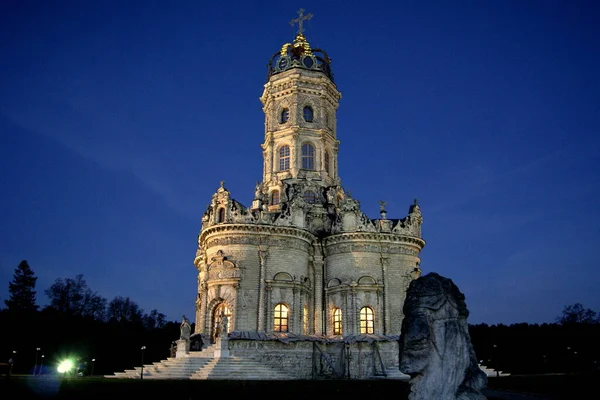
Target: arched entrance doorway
219,312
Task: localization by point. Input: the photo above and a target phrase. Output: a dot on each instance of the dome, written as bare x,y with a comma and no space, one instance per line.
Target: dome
299,54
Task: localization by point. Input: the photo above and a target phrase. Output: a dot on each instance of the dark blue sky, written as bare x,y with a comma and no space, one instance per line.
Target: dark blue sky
118,119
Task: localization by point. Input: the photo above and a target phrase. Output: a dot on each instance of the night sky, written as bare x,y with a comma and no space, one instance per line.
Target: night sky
118,120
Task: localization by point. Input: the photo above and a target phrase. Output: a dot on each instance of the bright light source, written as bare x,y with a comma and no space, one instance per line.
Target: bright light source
65,366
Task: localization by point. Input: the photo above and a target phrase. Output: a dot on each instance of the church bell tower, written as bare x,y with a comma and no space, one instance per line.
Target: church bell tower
300,100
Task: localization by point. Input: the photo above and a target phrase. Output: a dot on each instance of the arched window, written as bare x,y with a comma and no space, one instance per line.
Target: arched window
285,115
275,197
280,318
310,197
221,217
367,322
337,321
308,157
305,320
308,114
284,158
327,161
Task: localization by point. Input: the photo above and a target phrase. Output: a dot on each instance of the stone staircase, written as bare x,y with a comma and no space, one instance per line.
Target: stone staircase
492,372
395,373
235,368
204,365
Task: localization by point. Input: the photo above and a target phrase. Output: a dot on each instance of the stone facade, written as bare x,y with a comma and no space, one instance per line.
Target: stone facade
303,259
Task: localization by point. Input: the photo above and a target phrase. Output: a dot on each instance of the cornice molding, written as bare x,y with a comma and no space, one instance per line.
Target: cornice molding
257,230
376,237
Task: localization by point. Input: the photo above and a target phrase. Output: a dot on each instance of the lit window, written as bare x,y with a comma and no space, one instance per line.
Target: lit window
284,158
367,324
337,321
308,114
305,320
275,197
308,157
285,115
310,197
281,318
327,161
221,215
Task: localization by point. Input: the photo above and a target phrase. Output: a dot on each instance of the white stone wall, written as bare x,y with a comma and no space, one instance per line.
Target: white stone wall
297,357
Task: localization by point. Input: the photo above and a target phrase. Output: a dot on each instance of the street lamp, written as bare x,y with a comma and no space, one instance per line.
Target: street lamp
142,372
93,361
37,352
12,362
42,365
496,360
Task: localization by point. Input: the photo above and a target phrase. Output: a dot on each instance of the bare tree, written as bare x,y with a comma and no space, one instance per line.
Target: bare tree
154,320
123,309
577,314
74,297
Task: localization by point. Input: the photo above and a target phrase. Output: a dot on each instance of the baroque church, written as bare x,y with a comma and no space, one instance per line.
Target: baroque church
303,260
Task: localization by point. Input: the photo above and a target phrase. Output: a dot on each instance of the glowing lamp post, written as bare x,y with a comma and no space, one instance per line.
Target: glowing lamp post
142,372
42,365
93,361
496,360
37,352
12,361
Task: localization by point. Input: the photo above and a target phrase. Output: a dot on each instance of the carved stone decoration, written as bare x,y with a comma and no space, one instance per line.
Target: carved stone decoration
221,268
435,345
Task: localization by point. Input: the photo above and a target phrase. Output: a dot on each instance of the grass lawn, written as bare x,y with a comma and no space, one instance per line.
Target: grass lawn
27,387
21,387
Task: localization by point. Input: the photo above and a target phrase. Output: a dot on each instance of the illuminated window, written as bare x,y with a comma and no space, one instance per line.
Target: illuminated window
285,115
281,318
308,114
308,157
284,158
367,324
327,162
275,197
310,197
305,320
337,321
221,217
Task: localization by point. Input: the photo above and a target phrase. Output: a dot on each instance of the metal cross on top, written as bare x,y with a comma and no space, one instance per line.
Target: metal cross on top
301,18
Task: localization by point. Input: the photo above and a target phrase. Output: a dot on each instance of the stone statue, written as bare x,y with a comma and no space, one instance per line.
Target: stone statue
435,345
258,195
185,329
331,192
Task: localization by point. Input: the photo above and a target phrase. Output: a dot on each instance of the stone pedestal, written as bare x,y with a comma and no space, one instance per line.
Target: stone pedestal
222,347
183,348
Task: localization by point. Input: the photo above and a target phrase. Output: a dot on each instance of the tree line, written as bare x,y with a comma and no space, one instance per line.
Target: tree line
569,345
78,323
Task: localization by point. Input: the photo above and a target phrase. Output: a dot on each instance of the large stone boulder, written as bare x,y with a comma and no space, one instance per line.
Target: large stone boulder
435,345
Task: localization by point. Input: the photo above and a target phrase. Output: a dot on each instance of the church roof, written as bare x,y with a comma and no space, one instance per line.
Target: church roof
299,54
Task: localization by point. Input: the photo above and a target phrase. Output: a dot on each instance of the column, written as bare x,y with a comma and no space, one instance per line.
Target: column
262,259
